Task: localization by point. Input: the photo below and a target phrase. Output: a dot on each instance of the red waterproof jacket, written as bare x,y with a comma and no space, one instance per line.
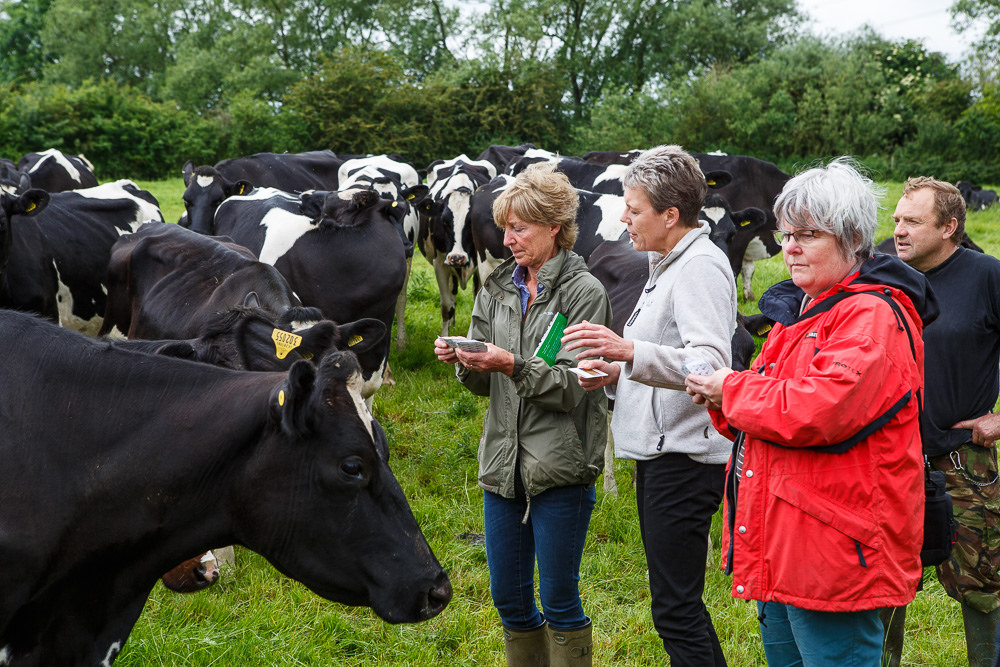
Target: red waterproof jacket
814,526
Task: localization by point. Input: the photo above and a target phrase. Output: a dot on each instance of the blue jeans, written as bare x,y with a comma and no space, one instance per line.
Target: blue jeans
794,636
554,535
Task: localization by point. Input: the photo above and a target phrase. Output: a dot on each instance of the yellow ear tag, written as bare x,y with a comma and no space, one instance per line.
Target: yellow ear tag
411,196
744,223
281,397
242,189
284,342
395,204
354,340
711,184
30,208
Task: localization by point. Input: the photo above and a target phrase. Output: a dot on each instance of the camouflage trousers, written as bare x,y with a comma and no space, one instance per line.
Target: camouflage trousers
972,573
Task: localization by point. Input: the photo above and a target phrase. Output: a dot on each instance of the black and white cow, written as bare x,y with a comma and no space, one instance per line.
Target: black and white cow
597,219
80,227
445,235
976,199
599,178
207,186
296,458
341,255
397,181
753,183
55,171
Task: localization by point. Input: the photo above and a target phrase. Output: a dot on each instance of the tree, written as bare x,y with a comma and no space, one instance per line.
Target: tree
20,40
966,14
632,43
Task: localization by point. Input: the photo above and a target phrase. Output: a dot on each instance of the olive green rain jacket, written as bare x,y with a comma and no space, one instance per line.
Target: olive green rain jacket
540,416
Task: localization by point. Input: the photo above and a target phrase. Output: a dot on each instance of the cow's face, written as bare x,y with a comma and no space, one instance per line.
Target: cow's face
448,218
205,189
350,535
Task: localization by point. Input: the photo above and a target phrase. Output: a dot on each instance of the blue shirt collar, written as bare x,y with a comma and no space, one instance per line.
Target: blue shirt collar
518,277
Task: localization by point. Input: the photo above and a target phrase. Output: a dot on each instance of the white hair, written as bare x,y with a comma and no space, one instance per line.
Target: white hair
838,199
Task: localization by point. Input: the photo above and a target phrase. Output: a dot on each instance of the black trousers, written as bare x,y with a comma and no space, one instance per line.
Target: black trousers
677,498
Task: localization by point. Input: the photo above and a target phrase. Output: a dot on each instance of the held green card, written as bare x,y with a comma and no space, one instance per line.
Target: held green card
552,340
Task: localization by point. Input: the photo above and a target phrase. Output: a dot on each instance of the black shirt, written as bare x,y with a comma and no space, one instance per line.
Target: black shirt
961,347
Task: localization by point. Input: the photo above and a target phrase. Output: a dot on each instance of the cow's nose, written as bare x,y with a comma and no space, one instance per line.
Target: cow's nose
457,259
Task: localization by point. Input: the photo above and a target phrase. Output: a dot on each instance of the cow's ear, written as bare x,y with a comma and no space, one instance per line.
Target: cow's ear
361,335
311,204
24,183
240,188
290,404
251,300
749,219
415,195
718,179
365,199
31,202
188,172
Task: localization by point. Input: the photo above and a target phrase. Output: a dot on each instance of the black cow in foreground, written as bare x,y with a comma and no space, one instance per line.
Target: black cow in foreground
340,255
976,199
55,171
103,494
207,186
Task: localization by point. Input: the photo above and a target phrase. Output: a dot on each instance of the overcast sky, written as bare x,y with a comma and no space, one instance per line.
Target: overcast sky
926,20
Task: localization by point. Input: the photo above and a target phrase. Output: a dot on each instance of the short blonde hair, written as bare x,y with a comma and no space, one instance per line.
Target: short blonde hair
543,196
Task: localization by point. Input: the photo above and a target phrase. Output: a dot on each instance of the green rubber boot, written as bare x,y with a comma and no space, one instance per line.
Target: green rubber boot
980,633
526,649
571,648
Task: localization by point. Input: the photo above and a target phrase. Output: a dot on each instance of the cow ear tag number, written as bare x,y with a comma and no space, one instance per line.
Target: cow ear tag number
354,340
284,342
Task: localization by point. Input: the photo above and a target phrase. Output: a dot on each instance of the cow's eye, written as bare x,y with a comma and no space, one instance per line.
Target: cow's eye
353,467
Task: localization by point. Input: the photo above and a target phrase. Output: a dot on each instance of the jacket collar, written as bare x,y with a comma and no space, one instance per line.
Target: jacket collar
782,301
551,274
659,262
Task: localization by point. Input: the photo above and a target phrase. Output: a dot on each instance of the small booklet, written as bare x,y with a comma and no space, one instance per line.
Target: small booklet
552,340
588,372
467,344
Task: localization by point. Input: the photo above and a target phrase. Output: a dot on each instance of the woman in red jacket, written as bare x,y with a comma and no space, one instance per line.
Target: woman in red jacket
824,493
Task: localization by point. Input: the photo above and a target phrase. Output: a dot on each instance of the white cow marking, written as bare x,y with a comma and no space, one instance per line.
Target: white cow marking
5,655
116,190
354,388
204,181
53,154
611,207
112,653
614,172
407,174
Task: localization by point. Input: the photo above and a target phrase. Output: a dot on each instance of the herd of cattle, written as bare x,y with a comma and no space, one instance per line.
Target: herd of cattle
291,263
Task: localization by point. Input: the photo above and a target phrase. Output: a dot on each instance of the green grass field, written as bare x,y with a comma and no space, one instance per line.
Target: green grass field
255,616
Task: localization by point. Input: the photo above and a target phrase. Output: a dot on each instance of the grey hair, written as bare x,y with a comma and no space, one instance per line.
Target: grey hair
670,177
838,199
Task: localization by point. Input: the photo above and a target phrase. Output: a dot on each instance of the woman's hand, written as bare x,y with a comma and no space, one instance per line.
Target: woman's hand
613,373
444,353
493,360
603,342
707,389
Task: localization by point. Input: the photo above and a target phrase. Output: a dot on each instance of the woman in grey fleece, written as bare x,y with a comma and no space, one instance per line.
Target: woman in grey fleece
687,311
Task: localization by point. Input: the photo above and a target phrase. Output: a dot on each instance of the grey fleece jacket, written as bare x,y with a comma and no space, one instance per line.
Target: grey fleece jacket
687,309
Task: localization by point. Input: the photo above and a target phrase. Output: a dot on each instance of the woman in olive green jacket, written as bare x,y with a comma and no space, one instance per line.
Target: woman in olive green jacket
543,440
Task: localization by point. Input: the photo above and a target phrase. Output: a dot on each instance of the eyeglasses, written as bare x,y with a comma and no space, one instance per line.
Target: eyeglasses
803,237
